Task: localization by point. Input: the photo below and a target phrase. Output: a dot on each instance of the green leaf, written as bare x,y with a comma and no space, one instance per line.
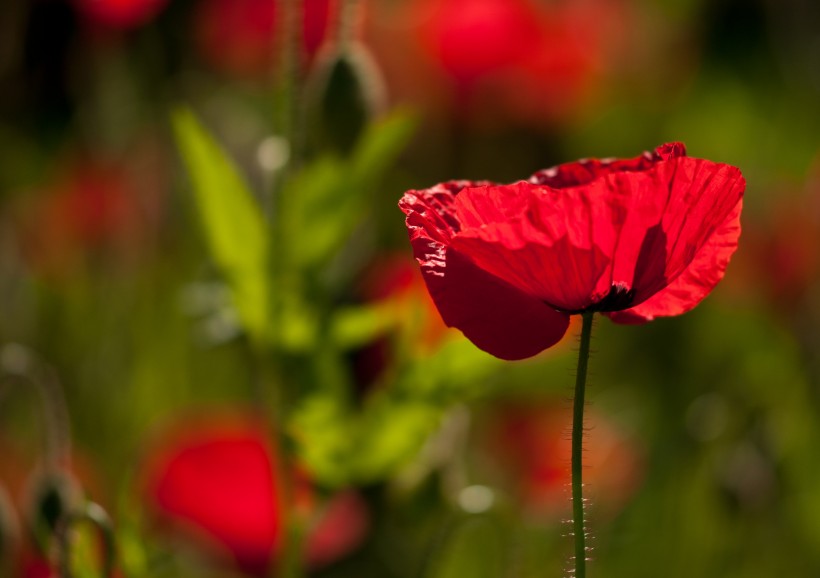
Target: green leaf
391,432
380,146
325,202
357,326
234,227
474,549
322,430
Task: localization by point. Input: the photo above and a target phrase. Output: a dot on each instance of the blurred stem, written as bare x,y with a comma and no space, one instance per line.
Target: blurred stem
290,558
291,564
97,516
348,20
290,32
21,364
578,526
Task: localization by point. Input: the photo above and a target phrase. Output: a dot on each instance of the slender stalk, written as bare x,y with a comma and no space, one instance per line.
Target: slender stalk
21,364
99,518
349,17
578,526
289,562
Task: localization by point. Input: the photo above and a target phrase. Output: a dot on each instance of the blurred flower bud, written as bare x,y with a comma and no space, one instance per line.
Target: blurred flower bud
346,92
51,495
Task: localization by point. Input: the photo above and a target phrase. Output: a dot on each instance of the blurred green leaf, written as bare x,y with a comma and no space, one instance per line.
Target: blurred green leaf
322,429
327,199
358,326
232,220
457,371
390,433
380,146
473,549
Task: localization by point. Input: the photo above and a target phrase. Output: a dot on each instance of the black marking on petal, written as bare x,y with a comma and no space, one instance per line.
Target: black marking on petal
620,297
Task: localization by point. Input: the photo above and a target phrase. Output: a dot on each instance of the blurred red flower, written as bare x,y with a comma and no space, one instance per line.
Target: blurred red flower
472,38
530,60
90,208
531,443
783,255
215,482
395,281
634,239
120,13
241,37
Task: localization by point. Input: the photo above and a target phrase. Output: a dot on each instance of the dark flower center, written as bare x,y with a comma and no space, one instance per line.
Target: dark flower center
620,297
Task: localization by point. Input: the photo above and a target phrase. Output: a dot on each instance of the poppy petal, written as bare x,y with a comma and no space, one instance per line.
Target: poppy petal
497,317
553,246
651,215
696,282
494,315
584,171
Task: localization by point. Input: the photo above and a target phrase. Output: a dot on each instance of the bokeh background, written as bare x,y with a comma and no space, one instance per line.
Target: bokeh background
199,236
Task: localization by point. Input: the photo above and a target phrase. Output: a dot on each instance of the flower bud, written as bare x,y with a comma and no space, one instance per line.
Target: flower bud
52,494
347,91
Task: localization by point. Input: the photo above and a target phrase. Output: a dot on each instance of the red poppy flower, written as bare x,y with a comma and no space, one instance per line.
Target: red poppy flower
215,482
634,239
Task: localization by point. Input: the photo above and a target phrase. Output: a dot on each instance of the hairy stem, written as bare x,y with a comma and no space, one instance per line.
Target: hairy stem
578,526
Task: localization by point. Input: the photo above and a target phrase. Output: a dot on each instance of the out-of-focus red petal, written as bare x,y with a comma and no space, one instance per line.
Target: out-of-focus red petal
472,38
221,480
696,282
497,317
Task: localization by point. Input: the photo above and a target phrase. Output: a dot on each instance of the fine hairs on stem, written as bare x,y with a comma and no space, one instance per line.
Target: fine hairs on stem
578,525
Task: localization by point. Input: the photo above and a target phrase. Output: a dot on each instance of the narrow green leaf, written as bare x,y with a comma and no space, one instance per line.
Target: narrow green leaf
391,432
380,145
356,326
328,199
475,548
232,220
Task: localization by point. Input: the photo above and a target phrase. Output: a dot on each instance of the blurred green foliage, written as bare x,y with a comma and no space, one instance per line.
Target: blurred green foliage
230,268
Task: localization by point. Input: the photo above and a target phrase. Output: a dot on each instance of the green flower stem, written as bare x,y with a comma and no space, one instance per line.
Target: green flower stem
578,526
98,517
18,363
291,564
348,20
